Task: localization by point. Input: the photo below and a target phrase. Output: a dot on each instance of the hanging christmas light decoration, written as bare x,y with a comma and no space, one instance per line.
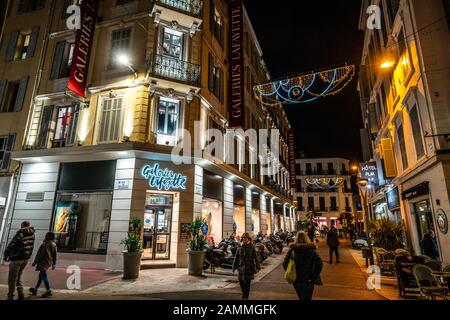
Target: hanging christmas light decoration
324,183
305,88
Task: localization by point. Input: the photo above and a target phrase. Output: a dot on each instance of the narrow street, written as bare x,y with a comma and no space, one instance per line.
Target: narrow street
343,281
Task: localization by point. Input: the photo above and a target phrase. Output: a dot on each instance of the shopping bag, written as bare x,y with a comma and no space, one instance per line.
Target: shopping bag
290,275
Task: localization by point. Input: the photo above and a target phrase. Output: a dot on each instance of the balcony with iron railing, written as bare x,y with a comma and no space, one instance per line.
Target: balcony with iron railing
161,66
190,7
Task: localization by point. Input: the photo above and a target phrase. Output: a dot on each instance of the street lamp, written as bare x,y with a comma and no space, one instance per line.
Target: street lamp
124,60
388,64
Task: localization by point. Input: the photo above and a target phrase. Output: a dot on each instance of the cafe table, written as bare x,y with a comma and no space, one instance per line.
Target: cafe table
442,278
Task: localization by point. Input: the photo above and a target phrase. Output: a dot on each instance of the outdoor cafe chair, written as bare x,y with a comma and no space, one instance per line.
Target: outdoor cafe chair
388,262
433,264
401,252
427,283
446,268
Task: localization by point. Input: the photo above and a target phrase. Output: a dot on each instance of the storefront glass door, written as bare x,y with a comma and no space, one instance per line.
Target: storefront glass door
157,224
424,218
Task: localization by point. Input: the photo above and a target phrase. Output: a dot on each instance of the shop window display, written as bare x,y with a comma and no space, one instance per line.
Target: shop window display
212,214
81,222
256,221
239,219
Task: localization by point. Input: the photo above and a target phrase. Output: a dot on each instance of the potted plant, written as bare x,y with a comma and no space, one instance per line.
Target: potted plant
387,234
135,224
132,255
196,247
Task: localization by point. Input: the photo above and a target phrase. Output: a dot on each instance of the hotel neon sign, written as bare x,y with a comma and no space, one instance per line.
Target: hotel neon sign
163,179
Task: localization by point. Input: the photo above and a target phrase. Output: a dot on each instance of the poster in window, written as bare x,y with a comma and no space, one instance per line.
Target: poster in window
66,221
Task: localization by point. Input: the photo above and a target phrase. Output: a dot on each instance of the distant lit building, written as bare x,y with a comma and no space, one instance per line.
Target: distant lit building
324,190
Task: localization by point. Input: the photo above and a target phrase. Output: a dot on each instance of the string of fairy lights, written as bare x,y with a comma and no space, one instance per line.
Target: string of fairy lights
305,88
324,183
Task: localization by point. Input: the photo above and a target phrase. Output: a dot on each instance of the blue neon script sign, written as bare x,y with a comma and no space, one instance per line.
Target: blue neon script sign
163,179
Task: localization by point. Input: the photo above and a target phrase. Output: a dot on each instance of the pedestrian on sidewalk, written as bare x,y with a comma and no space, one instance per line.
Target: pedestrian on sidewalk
247,264
308,265
17,253
333,243
429,246
44,260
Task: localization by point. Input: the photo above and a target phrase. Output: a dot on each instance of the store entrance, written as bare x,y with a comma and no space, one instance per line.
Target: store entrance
157,225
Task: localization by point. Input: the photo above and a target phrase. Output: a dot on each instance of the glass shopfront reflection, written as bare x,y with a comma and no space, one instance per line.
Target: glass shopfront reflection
157,226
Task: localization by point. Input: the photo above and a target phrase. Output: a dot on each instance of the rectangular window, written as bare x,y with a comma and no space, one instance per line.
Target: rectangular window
62,60
330,168
217,25
333,204
30,5
322,204
168,116
300,203
393,6
6,148
11,95
216,81
81,221
23,42
173,43
310,203
66,125
417,131
343,169
3,141
308,169
111,120
120,44
319,168
402,145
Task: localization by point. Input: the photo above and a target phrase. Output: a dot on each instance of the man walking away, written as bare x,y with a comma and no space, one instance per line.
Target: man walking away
18,253
429,246
333,243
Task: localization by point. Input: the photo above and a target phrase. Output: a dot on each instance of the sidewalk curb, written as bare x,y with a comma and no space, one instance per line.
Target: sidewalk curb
363,270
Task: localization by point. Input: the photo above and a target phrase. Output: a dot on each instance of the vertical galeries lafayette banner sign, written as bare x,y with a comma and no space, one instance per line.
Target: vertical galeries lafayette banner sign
291,150
83,45
236,83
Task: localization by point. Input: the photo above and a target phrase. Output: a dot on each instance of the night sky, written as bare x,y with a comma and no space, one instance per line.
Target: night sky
300,36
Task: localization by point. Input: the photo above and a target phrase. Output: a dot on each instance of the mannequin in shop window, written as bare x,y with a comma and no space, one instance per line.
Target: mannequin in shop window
207,217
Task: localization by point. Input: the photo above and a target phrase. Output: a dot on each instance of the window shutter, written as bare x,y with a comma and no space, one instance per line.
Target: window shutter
3,84
388,158
40,4
211,73
45,126
57,60
12,45
21,93
33,41
212,10
222,86
23,5
9,148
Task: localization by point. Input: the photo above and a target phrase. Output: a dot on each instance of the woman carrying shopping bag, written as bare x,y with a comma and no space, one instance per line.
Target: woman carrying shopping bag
303,266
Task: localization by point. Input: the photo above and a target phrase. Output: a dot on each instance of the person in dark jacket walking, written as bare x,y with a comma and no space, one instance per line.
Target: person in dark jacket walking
308,265
333,243
247,264
17,253
429,246
44,260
